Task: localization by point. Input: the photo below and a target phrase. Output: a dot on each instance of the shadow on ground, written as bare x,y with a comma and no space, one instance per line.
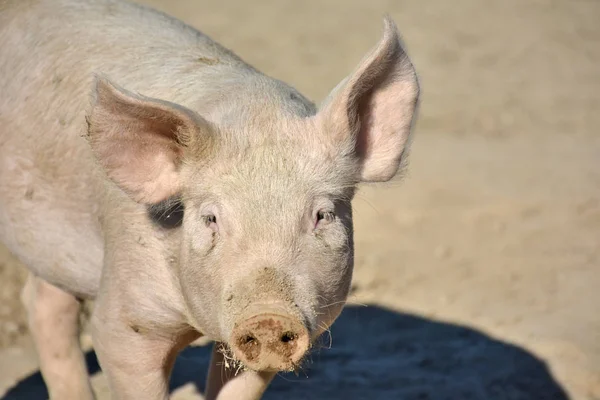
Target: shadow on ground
381,354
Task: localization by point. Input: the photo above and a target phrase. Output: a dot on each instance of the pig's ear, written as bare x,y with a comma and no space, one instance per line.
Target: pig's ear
139,141
372,110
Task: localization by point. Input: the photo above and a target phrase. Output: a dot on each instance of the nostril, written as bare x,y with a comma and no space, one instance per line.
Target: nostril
249,345
288,337
248,339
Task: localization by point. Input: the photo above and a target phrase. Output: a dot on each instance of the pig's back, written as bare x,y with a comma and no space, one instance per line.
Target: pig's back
50,189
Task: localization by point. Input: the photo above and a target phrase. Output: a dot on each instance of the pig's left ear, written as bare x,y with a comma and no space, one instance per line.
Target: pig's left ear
373,109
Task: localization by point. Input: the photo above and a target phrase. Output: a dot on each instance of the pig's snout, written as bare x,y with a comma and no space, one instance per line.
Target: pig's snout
270,342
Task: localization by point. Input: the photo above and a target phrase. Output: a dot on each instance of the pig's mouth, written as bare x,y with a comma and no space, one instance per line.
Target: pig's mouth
233,363
230,362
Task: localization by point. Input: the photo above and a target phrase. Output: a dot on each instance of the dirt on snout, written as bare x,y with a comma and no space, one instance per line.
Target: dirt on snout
480,268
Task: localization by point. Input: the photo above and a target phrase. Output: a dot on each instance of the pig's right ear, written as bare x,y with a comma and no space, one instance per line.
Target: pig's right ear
140,141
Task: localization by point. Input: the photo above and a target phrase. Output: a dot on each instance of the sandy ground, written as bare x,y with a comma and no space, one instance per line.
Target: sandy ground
480,270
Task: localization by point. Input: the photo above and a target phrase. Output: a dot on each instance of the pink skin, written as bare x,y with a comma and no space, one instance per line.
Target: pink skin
261,257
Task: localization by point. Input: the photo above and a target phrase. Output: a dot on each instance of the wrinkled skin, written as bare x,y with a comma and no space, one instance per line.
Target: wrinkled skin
192,195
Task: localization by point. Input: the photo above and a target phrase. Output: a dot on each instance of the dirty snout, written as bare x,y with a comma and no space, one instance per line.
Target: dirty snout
270,340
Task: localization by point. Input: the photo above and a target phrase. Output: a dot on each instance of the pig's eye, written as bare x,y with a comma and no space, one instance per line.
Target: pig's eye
210,220
167,214
325,217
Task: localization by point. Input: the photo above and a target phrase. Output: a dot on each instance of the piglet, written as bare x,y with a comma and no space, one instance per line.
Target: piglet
147,167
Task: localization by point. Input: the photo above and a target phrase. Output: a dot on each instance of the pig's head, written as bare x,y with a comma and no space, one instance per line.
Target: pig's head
265,250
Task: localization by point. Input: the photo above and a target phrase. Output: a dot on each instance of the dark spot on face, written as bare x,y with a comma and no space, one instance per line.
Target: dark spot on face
168,214
88,123
56,80
301,105
141,241
29,193
135,328
207,60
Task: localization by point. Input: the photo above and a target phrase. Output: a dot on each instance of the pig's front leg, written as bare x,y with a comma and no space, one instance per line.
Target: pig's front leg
54,324
224,384
136,360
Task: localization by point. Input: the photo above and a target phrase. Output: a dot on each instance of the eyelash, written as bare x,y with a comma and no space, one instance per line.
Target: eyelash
326,216
167,214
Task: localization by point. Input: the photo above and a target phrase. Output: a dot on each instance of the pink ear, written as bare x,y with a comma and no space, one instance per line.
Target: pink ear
139,141
375,106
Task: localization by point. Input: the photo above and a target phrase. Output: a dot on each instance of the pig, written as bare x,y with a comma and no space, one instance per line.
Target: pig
147,168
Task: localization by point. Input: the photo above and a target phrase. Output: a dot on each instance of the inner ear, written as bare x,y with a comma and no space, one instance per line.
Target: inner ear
140,141
372,111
